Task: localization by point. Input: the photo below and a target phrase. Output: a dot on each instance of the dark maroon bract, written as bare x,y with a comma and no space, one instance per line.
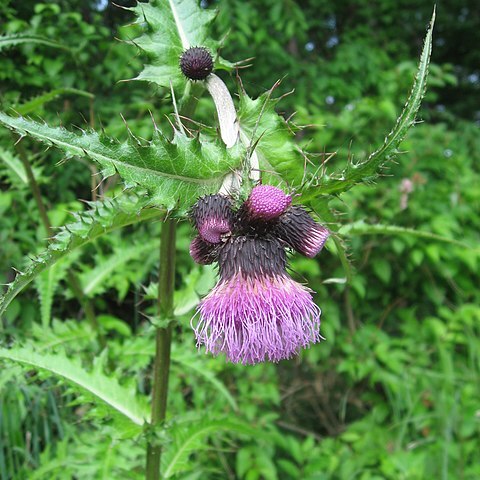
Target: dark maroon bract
256,312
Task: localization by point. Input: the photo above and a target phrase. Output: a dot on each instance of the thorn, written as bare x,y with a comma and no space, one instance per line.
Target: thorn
171,124
20,138
177,117
128,128
153,121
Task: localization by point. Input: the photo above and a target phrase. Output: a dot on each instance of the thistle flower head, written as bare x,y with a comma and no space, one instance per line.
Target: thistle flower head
256,312
196,63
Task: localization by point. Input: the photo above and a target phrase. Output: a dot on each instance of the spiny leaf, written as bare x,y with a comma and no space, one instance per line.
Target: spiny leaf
280,158
103,218
37,102
362,228
170,27
7,41
174,172
94,386
366,171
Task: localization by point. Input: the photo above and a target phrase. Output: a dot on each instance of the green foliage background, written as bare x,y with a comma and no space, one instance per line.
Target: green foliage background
394,390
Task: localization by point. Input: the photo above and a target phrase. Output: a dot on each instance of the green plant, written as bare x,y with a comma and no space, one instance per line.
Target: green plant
164,176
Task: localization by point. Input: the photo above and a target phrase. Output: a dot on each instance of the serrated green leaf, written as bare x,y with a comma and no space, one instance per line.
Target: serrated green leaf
60,334
7,41
47,283
174,172
95,386
189,436
92,279
104,217
170,27
280,158
368,170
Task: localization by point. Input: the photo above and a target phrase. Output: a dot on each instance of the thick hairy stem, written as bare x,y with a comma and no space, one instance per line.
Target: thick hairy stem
161,366
71,278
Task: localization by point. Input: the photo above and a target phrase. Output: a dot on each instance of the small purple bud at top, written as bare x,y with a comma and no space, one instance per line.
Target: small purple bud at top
202,252
298,229
213,217
267,202
196,63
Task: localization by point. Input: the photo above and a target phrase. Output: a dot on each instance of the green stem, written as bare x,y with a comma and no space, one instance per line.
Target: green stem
34,188
166,284
71,277
161,368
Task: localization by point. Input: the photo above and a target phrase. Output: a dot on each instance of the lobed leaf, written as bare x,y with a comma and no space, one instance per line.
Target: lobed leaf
174,172
47,283
104,217
93,279
366,171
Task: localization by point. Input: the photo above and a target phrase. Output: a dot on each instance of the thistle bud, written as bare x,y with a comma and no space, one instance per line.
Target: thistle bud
267,202
196,63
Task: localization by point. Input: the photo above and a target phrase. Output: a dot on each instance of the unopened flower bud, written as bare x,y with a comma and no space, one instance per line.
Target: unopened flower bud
196,63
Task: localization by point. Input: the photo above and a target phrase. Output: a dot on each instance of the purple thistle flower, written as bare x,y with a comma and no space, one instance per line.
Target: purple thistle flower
256,312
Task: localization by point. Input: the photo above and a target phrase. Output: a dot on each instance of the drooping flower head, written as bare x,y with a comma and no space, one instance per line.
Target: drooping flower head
256,312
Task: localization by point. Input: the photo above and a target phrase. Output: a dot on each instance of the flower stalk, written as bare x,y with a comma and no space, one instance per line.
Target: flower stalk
163,334
163,340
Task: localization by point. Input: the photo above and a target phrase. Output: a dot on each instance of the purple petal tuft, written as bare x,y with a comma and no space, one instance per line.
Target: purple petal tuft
252,320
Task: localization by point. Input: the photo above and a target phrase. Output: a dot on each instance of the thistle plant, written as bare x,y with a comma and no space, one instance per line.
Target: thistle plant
251,193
